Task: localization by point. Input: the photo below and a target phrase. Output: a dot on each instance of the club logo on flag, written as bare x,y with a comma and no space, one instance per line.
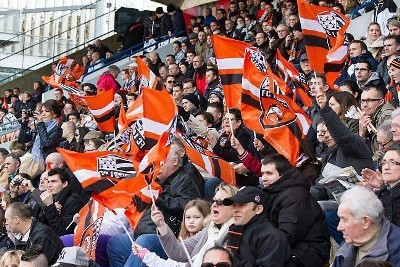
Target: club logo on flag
143,81
90,237
274,116
331,22
115,166
258,59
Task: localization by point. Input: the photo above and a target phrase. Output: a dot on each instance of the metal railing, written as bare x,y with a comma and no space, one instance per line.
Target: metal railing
50,60
9,23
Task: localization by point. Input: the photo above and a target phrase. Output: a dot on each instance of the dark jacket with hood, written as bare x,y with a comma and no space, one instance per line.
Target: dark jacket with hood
390,198
348,72
292,209
178,23
262,245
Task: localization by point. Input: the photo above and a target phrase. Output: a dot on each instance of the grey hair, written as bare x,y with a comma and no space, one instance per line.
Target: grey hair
395,113
113,68
363,202
386,127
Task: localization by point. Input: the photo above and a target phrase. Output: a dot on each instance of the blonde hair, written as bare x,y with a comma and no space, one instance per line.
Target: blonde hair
227,188
11,255
204,208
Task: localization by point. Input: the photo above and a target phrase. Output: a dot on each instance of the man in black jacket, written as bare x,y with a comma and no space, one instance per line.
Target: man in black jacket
252,239
291,209
30,232
60,204
166,22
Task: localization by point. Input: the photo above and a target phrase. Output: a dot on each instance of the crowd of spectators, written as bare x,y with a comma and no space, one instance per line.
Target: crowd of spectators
278,214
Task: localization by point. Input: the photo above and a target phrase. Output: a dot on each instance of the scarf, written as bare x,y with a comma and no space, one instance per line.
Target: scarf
234,236
37,152
216,237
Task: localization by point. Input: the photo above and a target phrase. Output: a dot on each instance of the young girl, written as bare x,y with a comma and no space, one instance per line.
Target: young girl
194,217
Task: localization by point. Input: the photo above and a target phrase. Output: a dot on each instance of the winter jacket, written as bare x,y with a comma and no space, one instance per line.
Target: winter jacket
133,35
177,190
153,28
48,140
178,24
390,197
200,79
292,209
382,71
350,150
59,221
107,82
166,24
45,237
387,248
262,245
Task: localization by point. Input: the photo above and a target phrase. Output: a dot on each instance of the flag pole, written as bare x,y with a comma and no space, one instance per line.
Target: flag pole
186,251
123,226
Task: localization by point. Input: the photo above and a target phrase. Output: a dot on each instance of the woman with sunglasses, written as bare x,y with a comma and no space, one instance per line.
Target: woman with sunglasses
195,218
214,234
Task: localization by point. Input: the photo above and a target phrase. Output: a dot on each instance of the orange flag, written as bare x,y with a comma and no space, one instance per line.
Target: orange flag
208,161
324,33
88,231
102,108
67,71
229,54
97,171
282,123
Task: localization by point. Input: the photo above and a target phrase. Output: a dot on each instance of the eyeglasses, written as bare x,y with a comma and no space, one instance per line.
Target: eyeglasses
395,125
370,100
384,144
219,264
390,162
218,202
361,69
170,81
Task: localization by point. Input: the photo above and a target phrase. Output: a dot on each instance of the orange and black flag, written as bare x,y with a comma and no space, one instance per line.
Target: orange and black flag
229,54
294,79
324,34
88,231
98,171
159,127
102,108
67,72
265,110
147,78
208,161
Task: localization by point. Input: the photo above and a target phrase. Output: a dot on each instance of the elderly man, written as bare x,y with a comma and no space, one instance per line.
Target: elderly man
259,243
30,232
367,233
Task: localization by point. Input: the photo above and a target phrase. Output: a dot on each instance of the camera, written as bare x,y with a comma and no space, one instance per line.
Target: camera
29,113
17,181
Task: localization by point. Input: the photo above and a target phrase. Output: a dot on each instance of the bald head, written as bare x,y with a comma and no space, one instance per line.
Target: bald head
69,128
55,160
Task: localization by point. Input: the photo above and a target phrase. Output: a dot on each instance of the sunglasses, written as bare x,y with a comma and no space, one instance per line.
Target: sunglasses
219,202
170,81
219,264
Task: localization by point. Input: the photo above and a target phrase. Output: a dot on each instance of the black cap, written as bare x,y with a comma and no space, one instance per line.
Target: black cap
193,99
159,10
246,194
297,27
171,8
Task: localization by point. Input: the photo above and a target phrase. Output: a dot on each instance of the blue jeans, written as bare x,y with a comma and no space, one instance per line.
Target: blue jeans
119,249
332,220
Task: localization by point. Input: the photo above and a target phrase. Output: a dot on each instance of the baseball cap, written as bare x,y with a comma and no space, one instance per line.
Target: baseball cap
93,135
193,35
246,194
71,256
303,57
